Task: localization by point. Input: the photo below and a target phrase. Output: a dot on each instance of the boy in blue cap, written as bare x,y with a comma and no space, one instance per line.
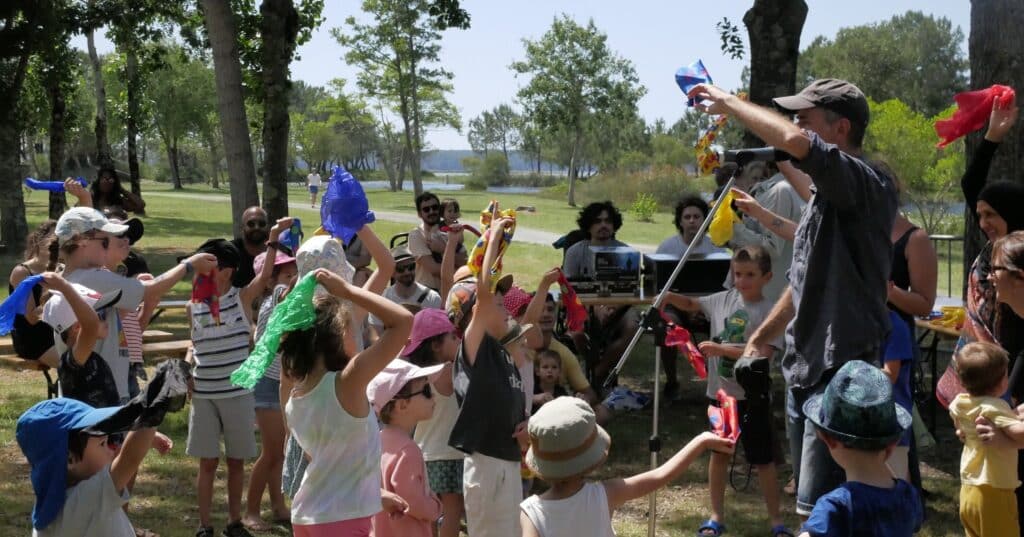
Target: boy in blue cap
80,485
860,423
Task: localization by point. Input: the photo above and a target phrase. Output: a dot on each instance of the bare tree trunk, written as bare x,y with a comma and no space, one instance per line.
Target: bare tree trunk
13,228
172,161
132,121
278,31
996,50
104,155
774,28
416,152
223,31
573,164
58,108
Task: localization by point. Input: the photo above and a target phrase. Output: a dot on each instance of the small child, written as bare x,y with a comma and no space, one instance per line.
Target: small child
547,386
328,412
450,212
566,444
898,363
80,482
402,396
434,341
220,344
860,423
988,472
734,315
71,311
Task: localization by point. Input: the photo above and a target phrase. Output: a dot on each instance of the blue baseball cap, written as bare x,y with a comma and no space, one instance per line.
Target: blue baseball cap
42,434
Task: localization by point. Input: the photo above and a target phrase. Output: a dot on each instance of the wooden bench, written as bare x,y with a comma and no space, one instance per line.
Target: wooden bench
10,361
7,345
166,305
162,350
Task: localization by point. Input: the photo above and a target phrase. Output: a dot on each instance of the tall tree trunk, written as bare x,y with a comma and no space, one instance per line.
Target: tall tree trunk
104,155
13,228
223,32
573,172
132,121
278,31
58,109
996,50
407,154
416,154
172,160
774,28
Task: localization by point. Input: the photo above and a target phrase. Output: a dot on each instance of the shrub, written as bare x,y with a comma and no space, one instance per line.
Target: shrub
475,183
666,184
644,207
492,170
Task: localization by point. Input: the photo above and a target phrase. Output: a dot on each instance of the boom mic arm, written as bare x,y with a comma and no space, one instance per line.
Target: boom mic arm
742,157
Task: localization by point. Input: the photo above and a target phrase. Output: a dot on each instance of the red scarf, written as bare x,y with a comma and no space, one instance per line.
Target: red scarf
725,420
204,289
973,110
679,337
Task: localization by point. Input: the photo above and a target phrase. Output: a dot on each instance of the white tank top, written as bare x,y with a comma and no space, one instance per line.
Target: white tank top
342,481
583,513
432,435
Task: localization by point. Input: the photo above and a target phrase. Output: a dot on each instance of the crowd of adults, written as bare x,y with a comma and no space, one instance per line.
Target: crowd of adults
825,268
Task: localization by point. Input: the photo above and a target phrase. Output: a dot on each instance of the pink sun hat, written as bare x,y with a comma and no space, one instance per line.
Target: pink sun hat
394,377
280,259
427,323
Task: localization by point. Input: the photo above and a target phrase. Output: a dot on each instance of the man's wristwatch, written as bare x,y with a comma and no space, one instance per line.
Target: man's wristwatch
274,244
189,269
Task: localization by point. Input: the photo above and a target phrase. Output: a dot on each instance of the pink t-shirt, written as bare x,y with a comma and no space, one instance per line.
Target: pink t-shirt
403,472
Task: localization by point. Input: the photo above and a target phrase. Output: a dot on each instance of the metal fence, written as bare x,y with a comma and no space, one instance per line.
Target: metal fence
950,264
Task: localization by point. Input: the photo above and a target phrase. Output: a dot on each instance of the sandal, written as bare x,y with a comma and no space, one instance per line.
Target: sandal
711,526
782,530
204,531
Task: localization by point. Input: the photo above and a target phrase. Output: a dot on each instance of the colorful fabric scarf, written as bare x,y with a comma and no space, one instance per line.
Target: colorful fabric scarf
973,110
476,256
295,312
204,290
17,303
575,313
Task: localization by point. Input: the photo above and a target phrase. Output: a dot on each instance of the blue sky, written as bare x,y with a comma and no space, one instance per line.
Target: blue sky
657,36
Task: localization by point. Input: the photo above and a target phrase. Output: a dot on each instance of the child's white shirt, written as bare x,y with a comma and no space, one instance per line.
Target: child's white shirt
583,513
92,507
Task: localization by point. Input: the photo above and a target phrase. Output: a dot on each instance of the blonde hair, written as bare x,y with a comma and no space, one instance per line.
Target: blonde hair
981,367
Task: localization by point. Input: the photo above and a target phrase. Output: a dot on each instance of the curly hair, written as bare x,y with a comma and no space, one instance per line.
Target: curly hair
300,348
590,213
692,200
40,236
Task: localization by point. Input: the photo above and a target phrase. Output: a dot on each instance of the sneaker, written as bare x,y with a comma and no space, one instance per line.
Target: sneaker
236,529
205,531
671,393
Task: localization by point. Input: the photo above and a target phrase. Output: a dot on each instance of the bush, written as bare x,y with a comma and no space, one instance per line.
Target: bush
474,183
492,170
666,184
644,207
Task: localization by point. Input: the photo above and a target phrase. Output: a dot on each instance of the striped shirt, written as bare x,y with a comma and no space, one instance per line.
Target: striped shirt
219,349
132,335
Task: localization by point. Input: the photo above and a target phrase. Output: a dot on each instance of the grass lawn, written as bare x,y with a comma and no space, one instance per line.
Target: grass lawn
164,497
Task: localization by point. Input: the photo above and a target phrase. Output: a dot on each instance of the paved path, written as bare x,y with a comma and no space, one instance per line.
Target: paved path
524,234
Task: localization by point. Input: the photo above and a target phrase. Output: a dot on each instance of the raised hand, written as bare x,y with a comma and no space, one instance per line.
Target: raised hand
1001,120
709,99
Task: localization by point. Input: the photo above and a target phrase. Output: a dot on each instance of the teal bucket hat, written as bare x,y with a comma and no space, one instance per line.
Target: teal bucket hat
857,408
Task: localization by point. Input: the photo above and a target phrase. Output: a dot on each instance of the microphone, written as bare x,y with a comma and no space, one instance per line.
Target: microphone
742,157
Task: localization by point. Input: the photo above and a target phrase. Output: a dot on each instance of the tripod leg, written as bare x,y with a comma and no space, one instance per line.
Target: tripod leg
654,445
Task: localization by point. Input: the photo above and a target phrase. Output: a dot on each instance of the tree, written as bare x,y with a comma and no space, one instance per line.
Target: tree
104,156
181,103
905,141
26,25
399,54
912,57
498,128
575,78
773,27
996,50
222,30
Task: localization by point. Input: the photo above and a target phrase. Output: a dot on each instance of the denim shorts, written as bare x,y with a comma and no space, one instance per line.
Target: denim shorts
267,394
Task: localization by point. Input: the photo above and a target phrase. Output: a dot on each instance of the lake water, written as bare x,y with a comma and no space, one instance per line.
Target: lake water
448,187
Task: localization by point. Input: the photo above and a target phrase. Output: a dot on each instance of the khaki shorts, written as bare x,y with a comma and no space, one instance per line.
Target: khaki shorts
493,491
233,418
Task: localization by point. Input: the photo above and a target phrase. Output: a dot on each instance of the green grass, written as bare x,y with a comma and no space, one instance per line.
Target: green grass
164,499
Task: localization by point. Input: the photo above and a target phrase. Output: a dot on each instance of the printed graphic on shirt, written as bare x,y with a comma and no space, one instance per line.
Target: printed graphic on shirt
733,332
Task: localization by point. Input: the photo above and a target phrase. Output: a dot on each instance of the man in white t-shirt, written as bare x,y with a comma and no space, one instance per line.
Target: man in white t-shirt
426,242
313,184
406,290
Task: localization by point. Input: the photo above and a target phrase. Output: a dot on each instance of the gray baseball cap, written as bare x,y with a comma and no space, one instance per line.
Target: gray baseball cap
83,220
833,94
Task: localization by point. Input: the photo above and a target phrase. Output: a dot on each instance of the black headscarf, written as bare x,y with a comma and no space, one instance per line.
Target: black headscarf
1007,198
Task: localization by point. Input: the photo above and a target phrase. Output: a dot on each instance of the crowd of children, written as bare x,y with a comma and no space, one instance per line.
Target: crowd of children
418,424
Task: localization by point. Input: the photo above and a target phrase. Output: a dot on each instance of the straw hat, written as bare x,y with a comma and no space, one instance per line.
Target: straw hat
565,440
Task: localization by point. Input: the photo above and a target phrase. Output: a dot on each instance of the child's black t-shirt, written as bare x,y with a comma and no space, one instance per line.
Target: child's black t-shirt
91,382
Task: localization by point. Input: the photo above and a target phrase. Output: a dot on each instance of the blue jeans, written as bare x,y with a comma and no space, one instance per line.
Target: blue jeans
814,470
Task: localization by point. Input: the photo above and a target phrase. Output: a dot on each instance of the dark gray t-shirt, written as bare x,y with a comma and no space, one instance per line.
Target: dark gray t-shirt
491,402
842,254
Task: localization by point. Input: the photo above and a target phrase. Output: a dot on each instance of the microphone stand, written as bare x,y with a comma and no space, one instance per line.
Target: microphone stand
653,323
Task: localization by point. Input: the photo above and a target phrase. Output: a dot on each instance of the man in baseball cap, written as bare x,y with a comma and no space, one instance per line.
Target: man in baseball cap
834,310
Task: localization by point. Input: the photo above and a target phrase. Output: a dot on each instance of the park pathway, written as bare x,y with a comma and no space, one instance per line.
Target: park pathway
525,234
